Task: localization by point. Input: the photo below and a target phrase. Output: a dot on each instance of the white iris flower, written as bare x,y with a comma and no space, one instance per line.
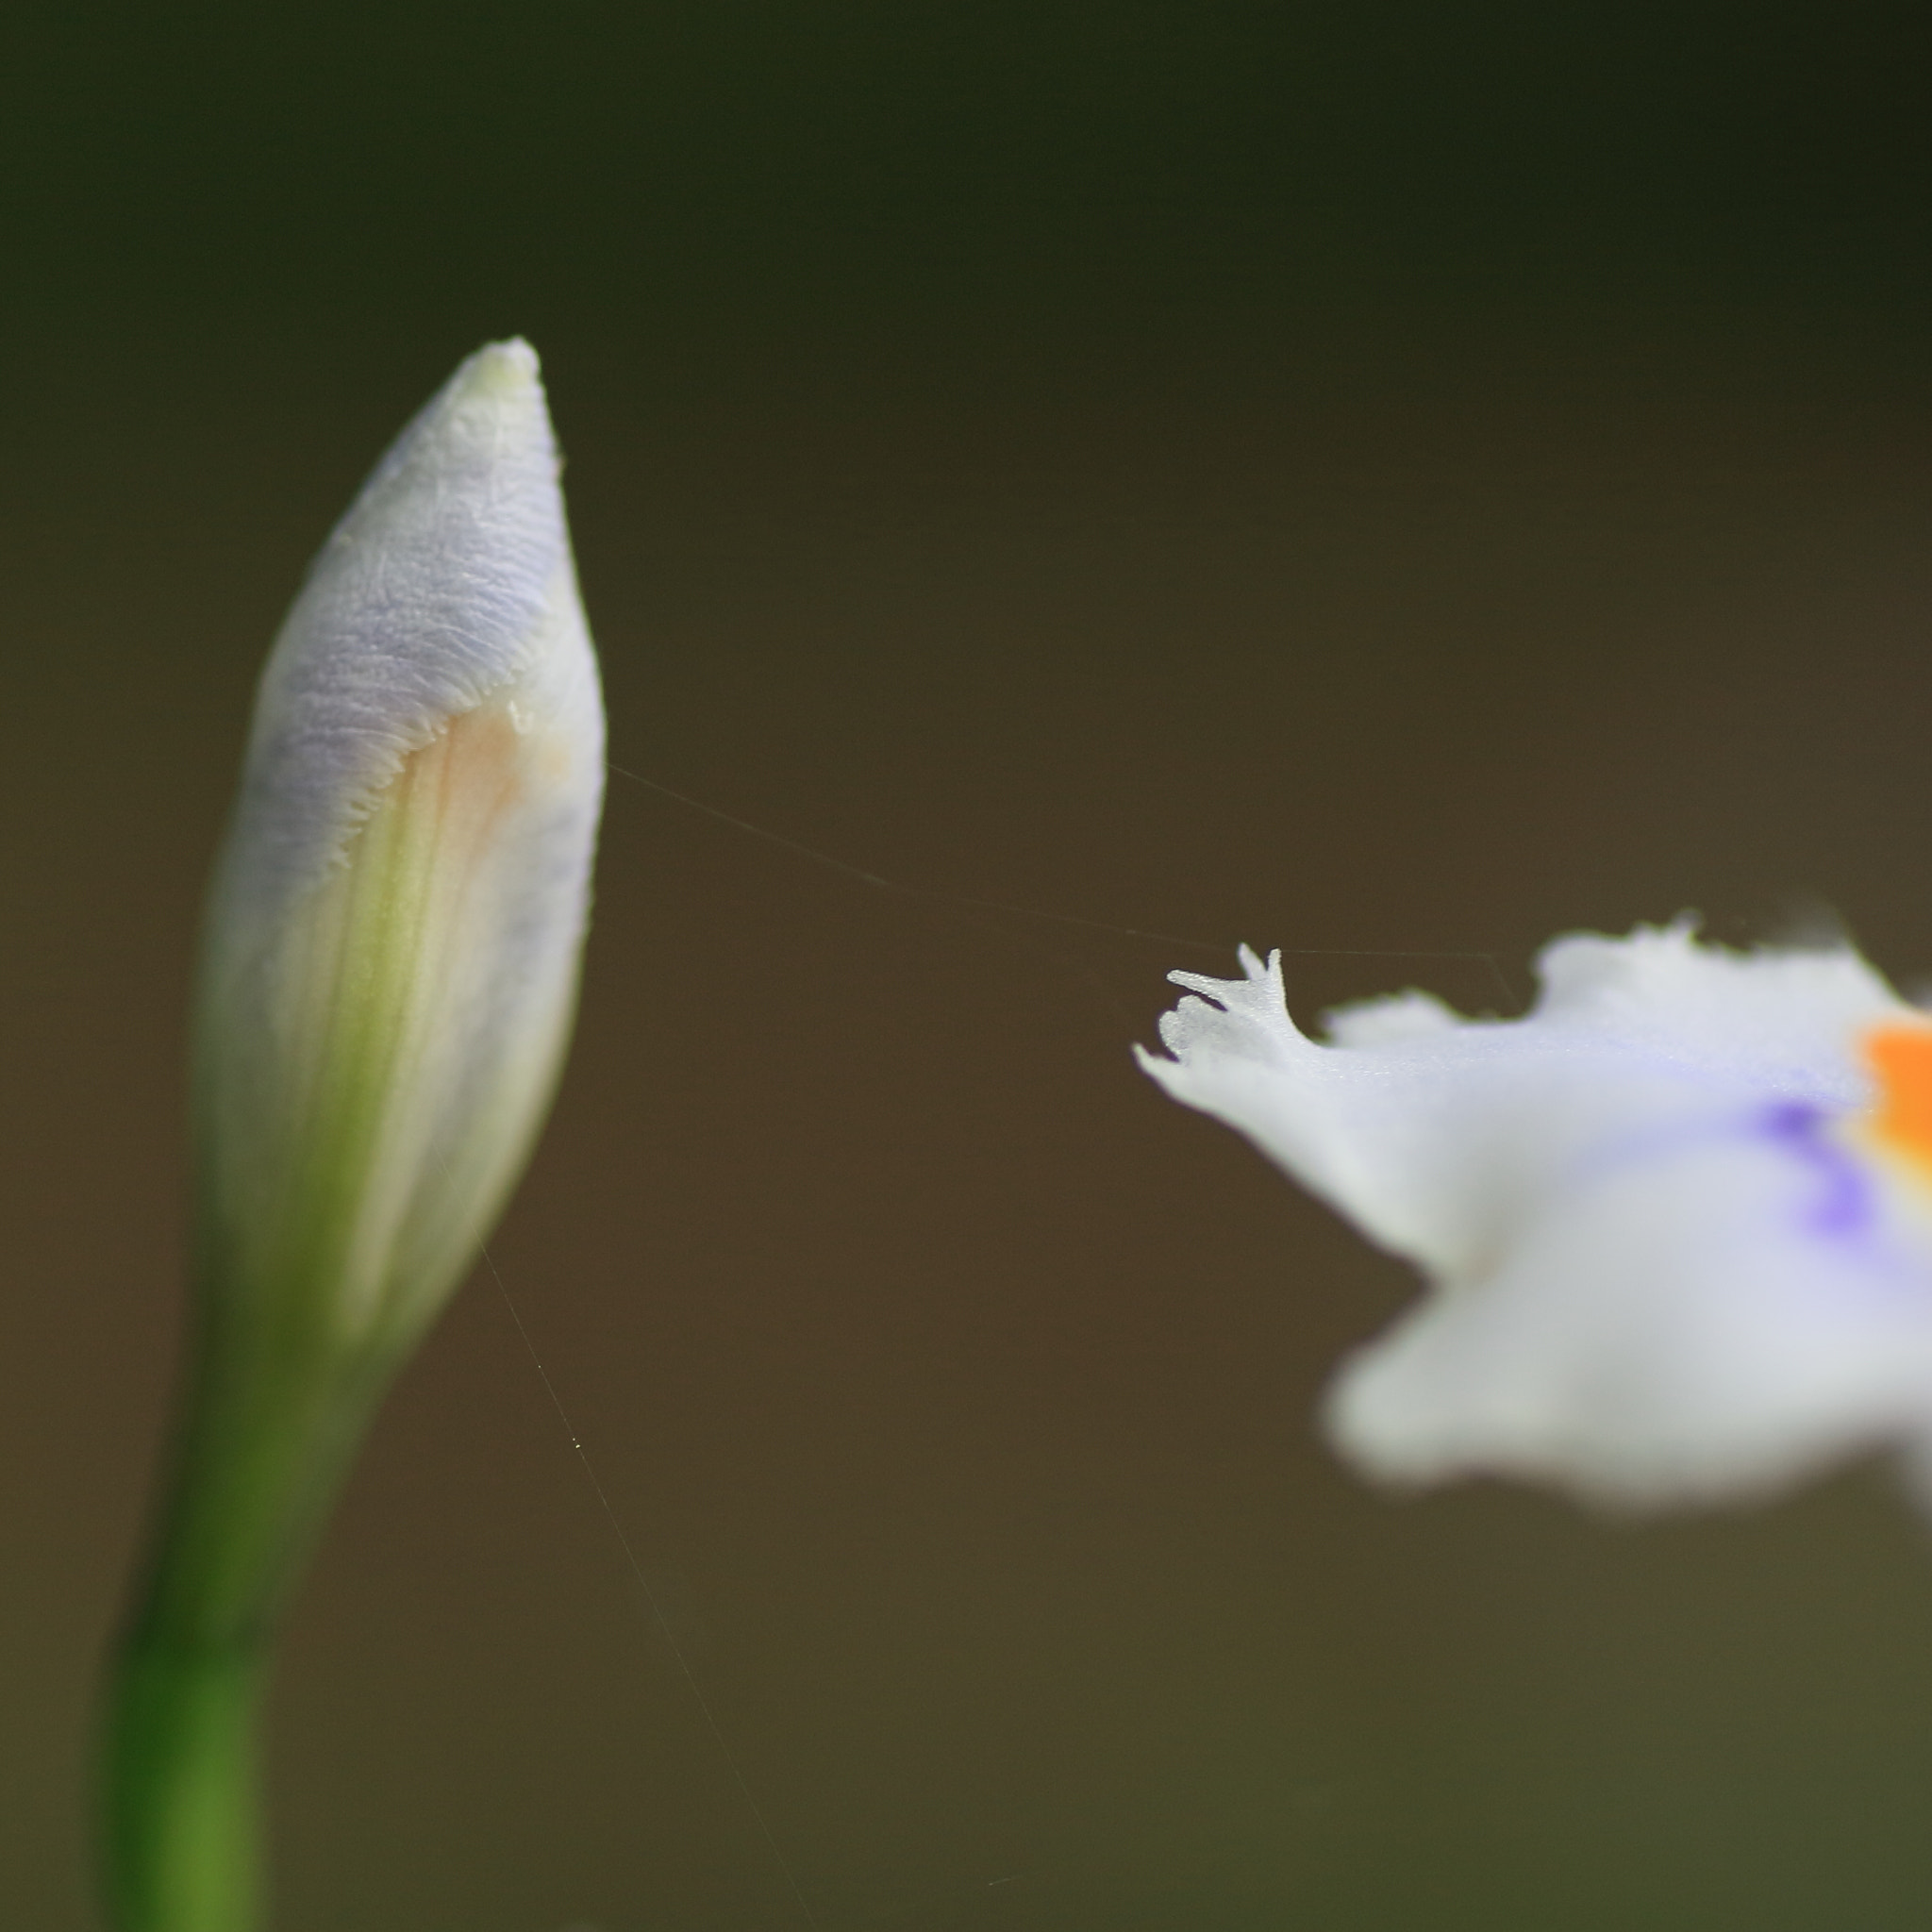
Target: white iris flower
1676,1220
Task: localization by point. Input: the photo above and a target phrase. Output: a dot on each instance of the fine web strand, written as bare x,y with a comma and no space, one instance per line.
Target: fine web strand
968,902
652,1600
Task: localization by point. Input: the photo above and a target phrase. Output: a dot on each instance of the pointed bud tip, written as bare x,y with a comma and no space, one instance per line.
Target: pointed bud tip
496,393
501,371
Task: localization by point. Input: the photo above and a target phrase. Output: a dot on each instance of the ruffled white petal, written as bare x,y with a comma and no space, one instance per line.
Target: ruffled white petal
1662,1267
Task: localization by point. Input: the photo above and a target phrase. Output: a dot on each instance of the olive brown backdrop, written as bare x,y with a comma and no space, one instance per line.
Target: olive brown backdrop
1394,482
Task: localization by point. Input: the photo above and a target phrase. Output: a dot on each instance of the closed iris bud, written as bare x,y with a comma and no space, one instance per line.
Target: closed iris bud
391,956
389,971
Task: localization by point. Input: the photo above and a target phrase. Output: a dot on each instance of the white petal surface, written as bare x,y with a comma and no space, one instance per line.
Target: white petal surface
1664,1267
429,595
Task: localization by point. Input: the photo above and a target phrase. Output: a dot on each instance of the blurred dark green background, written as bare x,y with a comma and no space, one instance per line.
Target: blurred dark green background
1394,477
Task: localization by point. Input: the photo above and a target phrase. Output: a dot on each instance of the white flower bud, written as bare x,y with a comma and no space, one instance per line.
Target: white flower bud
387,974
390,957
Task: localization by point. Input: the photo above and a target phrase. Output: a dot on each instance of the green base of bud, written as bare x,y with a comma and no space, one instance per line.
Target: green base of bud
182,1804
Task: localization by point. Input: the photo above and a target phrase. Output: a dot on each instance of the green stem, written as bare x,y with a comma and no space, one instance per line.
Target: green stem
269,1426
182,1806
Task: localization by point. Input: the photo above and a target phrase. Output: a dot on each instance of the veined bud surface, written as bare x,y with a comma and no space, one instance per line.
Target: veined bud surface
390,963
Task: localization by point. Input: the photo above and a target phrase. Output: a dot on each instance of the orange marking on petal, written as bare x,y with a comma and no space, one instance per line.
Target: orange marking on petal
1901,1059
